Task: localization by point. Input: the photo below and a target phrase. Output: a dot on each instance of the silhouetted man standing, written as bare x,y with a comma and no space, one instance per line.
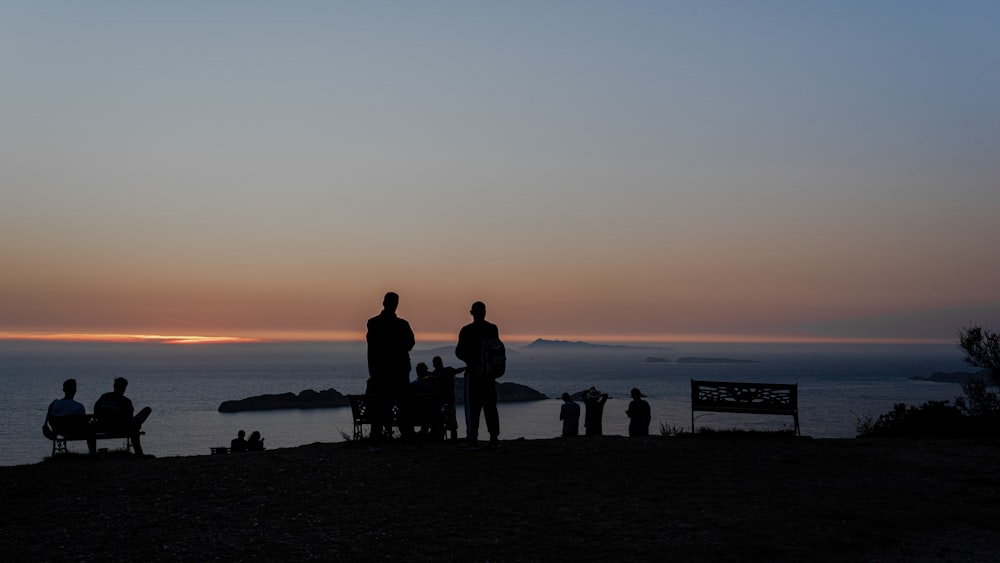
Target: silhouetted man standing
569,414
390,340
480,389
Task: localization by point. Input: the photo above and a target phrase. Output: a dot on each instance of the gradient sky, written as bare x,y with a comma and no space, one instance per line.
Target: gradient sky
596,170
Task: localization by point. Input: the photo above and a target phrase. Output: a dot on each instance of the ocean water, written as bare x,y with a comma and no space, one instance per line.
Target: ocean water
184,386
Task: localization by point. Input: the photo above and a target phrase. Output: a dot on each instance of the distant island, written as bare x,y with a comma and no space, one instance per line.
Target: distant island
543,344
567,344
507,392
656,360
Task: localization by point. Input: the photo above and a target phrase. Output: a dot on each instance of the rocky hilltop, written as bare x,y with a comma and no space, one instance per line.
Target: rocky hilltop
507,392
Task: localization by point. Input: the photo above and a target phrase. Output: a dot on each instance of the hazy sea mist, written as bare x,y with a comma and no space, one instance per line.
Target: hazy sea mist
185,384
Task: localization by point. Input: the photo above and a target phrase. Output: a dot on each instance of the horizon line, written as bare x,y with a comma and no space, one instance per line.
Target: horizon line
349,337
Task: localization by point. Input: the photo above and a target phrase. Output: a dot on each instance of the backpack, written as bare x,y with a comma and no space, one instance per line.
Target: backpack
494,358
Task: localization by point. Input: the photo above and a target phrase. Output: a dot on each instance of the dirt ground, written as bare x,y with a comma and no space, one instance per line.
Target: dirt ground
688,498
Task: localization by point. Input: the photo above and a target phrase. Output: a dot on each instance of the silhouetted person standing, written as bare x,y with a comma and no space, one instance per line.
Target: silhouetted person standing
114,413
638,414
480,388
68,417
593,420
446,381
390,340
569,414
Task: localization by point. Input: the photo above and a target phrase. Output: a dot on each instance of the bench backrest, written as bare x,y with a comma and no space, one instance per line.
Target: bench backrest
732,396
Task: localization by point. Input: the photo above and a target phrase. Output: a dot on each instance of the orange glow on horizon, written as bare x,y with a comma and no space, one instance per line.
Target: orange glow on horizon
152,338
353,336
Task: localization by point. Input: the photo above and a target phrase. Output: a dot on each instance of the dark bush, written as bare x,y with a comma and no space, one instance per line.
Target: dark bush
933,418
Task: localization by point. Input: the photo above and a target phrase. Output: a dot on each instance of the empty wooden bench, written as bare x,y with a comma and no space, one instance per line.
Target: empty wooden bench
745,397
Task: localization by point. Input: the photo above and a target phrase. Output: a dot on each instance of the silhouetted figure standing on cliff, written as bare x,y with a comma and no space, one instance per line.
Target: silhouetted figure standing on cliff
480,388
569,414
593,401
446,380
638,414
390,340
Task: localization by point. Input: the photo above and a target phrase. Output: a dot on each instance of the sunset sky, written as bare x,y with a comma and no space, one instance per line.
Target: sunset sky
591,170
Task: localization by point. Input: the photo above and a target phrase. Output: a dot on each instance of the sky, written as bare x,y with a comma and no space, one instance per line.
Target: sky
612,171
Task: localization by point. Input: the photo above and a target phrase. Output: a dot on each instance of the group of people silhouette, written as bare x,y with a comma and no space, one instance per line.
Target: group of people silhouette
113,414
390,340
391,398
638,412
241,443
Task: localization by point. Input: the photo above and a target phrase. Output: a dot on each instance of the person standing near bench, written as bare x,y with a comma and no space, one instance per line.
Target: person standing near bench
114,413
446,381
569,414
480,388
67,417
593,419
639,415
390,340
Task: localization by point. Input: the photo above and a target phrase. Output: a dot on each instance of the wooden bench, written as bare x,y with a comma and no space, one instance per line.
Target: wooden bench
427,410
89,430
745,397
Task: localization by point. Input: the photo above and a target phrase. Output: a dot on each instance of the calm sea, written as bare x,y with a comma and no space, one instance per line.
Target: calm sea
185,384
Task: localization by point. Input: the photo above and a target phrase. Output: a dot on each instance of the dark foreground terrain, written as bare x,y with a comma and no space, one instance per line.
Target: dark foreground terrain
691,498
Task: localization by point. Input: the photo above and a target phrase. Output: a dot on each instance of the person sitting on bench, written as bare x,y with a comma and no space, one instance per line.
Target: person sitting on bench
255,443
239,443
114,413
67,417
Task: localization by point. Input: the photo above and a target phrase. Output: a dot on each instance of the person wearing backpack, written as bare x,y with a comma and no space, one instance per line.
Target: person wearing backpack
480,383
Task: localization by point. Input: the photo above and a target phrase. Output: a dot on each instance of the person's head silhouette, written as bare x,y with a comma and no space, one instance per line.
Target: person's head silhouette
478,310
390,302
69,388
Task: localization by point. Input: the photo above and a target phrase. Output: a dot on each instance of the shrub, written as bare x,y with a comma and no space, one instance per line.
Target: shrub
671,430
933,418
982,348
979,399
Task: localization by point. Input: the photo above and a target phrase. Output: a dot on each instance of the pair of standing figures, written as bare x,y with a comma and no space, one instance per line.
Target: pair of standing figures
390,340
